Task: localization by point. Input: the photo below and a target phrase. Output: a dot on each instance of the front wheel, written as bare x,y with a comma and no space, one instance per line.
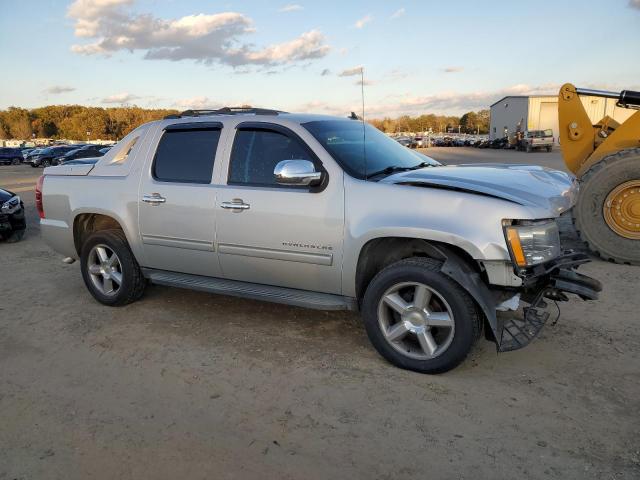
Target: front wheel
418,318
46,163
16,161
109,269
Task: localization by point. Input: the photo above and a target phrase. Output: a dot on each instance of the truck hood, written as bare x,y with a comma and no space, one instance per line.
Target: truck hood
528,185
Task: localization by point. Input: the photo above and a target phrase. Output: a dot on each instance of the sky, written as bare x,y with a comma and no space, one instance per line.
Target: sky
306,56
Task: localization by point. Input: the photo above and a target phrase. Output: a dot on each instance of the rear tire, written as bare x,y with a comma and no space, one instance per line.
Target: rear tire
16,161
46,163
431,342
588,213
123,275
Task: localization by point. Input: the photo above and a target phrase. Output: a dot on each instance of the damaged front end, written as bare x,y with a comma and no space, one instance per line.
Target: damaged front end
515,316
550,282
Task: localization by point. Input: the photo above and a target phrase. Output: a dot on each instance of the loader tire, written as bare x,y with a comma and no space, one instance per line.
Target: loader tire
612,233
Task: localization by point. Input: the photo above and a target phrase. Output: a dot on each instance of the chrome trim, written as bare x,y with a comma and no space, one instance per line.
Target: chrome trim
297,172
275,254
235,204
185,243
153,198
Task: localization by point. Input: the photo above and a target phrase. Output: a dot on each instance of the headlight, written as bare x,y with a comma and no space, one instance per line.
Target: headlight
533,242
10,205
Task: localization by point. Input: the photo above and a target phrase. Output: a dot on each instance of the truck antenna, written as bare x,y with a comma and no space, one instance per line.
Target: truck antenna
364,136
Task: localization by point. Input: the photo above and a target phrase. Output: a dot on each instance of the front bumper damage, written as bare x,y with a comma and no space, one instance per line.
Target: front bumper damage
541,285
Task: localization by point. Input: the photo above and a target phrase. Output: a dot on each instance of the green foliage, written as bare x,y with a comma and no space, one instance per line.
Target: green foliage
470,122
74,122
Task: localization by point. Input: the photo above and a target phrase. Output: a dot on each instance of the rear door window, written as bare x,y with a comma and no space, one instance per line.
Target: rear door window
186,156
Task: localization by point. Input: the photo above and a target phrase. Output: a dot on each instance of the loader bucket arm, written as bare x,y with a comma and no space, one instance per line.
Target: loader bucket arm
576,133
581,148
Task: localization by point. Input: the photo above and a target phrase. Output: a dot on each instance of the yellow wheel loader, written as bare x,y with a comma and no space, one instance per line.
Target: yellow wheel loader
606,159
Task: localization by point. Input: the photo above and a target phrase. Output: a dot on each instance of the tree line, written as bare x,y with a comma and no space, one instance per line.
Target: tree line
76,122
470,122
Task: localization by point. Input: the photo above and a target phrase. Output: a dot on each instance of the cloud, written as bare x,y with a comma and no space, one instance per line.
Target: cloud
209,38
292,7
452,69
398,13
58,89
197,103
325,72
121,98
634,4
363,21
350,72
366,82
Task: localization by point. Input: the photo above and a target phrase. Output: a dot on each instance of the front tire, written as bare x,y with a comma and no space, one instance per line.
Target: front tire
109,269
418,318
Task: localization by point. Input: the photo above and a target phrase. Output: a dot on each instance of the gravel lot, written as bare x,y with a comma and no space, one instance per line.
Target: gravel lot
191,385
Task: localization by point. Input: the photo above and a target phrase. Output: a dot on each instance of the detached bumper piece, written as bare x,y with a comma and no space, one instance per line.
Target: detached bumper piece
519,328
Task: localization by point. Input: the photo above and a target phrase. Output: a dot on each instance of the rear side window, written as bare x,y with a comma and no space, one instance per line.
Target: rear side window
256,152
186,156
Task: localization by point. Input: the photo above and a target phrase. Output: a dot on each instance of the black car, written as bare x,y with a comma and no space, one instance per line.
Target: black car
12,221
86,151
10,156
47,156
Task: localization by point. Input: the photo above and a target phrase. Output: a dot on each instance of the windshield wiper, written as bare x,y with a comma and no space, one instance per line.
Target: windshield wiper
395,169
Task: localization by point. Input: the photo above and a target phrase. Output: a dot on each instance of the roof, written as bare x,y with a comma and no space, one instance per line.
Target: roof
520,96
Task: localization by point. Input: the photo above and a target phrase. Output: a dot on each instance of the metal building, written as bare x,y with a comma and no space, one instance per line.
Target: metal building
540,112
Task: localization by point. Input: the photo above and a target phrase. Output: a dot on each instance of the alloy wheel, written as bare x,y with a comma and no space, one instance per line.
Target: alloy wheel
416,320
105,270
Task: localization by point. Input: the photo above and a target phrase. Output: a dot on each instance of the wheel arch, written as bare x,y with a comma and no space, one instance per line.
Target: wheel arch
457,264
86,223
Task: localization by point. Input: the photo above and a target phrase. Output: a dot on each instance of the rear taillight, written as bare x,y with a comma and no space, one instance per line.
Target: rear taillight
39,196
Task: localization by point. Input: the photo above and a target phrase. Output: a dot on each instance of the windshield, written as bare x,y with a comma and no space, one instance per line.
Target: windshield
343,139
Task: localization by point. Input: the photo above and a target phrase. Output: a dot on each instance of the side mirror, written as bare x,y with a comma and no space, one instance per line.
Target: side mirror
297,172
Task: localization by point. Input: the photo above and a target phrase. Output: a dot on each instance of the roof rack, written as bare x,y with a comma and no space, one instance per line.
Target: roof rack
225,111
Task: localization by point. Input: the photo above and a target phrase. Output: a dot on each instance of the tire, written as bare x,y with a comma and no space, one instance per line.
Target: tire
15,236
33,165
588,213
132,282
529,149
16,161
446,298
46,163
549,149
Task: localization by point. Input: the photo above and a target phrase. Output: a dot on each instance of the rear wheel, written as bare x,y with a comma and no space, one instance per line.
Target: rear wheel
16,161
549,149
607,213
418,318
46,163
109,269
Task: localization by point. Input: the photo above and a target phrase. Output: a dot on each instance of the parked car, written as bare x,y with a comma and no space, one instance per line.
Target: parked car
12,219
420,142
500,143
406,142
533,139
292,208
10,156
105,149
86,151
47,156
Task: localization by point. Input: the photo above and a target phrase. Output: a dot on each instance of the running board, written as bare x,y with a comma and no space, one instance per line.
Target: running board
254,291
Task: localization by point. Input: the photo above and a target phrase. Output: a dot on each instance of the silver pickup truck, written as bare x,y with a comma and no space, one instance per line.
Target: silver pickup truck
326,213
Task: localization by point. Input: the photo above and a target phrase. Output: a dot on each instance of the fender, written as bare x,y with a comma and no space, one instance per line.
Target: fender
456,268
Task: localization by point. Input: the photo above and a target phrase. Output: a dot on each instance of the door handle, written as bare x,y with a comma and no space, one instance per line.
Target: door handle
153,198
235,204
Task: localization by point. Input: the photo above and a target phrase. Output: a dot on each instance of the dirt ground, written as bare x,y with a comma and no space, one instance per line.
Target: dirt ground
190,385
